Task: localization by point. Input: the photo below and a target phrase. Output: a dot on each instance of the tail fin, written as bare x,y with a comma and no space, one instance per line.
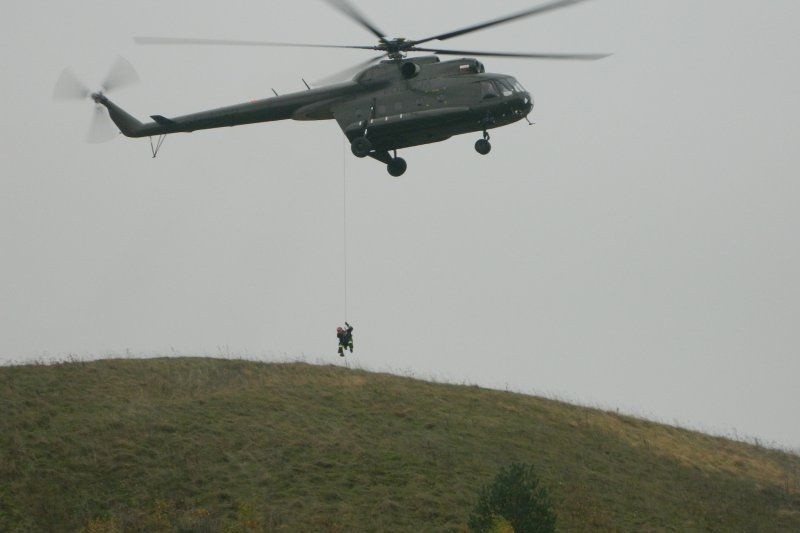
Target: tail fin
127,124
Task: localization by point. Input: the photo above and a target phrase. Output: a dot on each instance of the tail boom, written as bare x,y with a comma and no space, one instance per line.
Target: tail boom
271,109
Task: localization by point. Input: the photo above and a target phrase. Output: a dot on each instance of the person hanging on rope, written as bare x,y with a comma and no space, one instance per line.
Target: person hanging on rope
345,337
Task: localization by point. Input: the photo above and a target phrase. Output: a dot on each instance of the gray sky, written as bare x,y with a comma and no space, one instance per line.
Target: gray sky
636,249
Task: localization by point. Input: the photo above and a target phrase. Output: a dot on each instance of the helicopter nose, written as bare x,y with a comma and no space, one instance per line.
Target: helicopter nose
527,101
524,103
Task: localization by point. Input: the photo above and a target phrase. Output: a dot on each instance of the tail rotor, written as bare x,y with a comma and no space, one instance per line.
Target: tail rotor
122,74
69,87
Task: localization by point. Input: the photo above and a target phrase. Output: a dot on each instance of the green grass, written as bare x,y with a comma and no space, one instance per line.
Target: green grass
208,445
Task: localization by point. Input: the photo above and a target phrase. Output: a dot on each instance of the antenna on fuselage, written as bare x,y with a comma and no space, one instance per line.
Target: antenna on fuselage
306,84
274,91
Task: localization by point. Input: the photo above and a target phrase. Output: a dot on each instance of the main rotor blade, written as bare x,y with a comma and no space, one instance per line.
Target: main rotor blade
101,129
121,75
559,4
347,74
579,57
69,87
228,42
348,9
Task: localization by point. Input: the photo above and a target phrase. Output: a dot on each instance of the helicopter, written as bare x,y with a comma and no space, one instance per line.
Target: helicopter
390,102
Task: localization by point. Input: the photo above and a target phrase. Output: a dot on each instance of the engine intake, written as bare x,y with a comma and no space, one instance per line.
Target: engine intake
409,70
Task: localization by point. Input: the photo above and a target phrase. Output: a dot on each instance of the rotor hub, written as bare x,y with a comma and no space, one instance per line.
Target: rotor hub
395,48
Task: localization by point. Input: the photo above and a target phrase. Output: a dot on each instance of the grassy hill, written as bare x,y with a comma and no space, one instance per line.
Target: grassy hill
208,445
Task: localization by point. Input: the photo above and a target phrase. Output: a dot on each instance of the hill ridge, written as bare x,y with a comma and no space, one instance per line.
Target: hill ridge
123,444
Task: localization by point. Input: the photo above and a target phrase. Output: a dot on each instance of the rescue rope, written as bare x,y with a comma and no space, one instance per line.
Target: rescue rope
344,218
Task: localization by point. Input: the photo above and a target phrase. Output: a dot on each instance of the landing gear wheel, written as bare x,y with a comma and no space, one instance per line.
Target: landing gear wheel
361,147
397,167
483,146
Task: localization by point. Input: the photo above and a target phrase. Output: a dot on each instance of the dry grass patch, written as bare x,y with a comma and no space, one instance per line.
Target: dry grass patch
692,449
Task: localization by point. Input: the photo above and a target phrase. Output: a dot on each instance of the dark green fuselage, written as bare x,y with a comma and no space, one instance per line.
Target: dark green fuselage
397,104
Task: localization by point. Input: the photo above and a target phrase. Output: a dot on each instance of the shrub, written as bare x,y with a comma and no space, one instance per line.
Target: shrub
517,498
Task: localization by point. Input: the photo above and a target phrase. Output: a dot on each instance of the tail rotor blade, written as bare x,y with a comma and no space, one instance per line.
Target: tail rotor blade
121,75
101,129
69,87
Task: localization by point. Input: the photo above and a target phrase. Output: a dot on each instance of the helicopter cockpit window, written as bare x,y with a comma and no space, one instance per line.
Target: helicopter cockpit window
517,87
488,90
505,88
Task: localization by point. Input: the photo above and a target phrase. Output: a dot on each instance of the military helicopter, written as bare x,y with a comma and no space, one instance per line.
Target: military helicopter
390,102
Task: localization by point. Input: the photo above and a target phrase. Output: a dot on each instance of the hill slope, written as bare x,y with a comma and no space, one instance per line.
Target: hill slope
200,444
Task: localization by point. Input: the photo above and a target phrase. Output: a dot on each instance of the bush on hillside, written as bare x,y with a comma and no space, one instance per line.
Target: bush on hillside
517,498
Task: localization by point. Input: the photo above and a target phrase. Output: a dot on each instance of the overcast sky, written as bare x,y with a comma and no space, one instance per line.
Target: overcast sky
636,249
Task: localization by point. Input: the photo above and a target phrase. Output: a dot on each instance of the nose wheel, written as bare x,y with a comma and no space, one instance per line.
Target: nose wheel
397,167
483,146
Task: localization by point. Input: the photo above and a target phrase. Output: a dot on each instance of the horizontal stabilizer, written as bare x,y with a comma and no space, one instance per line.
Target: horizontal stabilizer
164,121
